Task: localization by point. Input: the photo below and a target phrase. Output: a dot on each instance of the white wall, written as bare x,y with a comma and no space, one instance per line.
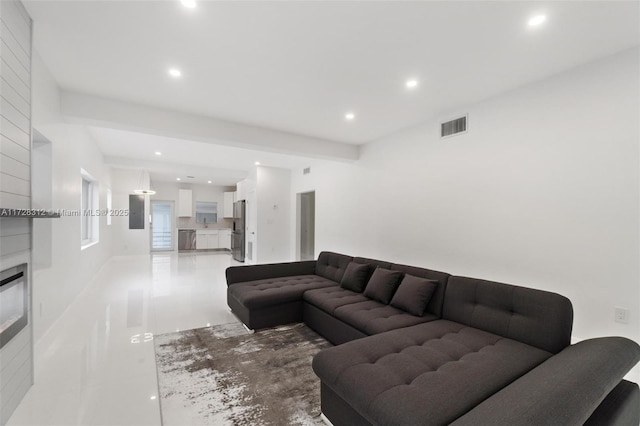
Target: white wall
543,192
71,269
273,215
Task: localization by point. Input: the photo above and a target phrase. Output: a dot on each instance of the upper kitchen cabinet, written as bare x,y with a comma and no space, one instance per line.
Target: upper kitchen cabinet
185,203
229,199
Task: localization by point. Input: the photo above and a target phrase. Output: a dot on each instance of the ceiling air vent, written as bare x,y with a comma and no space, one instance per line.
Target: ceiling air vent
306,170
453,127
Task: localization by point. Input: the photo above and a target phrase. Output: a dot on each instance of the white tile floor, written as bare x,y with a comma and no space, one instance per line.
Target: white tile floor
96,366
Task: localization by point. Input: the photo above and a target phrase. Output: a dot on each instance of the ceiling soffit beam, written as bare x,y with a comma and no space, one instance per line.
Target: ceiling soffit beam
168,167
103,112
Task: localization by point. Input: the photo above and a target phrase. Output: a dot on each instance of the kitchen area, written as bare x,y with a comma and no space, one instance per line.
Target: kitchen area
204,225
204,217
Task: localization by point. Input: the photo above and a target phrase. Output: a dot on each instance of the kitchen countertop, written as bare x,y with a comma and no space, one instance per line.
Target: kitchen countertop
204,229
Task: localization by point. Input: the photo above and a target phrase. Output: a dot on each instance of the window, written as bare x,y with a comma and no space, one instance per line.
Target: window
89,215
206,212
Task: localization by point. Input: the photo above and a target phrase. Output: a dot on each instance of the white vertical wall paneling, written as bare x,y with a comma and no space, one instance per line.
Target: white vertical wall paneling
14,150
13,79
10,60
11,113
13,185
14,167
14,98
16,357
15,17
13,44
13,132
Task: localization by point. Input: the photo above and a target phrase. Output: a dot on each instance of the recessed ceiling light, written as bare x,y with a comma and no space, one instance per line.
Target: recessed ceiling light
257,163
158,153
190,4
175,73
537,20
411,84
178,179
208,182
349,116
152,397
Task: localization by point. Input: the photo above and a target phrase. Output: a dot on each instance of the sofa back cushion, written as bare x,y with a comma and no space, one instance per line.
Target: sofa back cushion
332,265
356,276
535,317
413,294
435,304
383,285
373,262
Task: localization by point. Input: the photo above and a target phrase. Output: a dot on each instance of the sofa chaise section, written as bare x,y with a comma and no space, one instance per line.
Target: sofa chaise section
430,373
491,334
268,295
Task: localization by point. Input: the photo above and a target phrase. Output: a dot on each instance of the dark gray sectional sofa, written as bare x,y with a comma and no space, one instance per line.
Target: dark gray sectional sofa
422,347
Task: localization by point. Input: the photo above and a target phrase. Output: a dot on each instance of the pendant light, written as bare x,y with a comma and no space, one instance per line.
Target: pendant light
143,191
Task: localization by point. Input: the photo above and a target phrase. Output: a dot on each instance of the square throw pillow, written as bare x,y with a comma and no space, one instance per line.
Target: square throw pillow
355,277
414,294
382,285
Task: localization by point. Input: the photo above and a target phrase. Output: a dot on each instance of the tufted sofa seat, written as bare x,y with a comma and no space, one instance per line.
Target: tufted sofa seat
256,294
431,373
366,315
272,301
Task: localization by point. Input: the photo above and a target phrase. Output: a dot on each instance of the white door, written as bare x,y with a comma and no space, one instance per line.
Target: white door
307,225
252,227
161,225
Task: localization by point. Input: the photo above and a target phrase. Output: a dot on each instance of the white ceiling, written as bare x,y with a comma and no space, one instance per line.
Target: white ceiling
298,66
223,165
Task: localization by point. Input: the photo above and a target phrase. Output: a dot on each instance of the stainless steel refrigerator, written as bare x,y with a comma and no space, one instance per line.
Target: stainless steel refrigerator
239,227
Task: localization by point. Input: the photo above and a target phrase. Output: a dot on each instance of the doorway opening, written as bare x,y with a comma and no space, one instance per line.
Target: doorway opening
306,220
161,225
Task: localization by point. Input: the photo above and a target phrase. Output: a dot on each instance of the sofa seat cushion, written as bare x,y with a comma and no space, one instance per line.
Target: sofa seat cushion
330,298
428,374
272,291
373,317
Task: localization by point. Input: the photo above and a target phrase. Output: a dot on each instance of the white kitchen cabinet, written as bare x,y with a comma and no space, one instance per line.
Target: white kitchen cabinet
228,204
185,203
224,239
207,239
202,241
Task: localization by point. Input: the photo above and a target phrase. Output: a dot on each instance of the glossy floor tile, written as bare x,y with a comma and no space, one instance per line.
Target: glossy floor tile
96,365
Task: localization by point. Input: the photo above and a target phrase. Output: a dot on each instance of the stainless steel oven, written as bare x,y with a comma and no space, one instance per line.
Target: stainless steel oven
14,299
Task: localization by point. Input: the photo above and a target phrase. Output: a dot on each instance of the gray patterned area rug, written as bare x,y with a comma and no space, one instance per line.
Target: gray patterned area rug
222,375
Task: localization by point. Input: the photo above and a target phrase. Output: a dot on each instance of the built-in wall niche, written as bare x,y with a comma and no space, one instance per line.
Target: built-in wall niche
42,198
206,212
